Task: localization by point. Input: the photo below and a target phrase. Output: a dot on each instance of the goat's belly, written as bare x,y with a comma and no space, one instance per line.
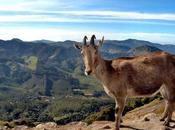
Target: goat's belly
141,91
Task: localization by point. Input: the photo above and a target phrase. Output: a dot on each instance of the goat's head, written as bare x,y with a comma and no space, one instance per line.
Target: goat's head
89,53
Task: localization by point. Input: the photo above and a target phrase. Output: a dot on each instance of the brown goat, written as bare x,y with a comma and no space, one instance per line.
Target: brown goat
132,77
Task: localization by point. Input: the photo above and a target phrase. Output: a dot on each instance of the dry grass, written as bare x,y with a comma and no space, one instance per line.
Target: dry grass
156,106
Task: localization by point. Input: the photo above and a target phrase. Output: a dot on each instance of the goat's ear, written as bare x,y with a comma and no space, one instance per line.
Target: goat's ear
101,42
77,46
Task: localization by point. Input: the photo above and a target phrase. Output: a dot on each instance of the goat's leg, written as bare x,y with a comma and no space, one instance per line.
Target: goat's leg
165,113
120,104
169,113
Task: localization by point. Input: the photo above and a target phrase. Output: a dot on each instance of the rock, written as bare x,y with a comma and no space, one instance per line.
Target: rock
165,128
19,122
40,126
146,119
73,123
49,125
82,123
22,127
3,128
149,117
106,127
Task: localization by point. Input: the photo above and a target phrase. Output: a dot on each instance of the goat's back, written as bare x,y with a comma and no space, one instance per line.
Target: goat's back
145,74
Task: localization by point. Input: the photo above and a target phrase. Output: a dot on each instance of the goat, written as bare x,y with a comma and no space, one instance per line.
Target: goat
137,76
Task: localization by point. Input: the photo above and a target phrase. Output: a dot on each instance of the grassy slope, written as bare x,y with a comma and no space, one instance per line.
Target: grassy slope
31,62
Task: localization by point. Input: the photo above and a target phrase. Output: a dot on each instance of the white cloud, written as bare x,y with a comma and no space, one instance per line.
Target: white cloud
29,34
42,5
90,16
62,8
123,15
70,19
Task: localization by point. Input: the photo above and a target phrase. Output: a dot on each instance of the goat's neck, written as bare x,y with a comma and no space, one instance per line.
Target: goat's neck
101,69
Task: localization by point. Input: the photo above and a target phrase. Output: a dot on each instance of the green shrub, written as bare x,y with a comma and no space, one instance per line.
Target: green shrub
106,113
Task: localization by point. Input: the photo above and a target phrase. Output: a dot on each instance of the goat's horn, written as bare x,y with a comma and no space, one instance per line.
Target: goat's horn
84,40
92,40
101,41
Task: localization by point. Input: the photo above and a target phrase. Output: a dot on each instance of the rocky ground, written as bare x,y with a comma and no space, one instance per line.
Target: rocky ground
143,118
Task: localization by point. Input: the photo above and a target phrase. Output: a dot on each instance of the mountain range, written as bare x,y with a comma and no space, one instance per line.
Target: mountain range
47,71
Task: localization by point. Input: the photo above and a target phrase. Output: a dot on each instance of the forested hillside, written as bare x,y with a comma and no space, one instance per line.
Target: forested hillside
44,80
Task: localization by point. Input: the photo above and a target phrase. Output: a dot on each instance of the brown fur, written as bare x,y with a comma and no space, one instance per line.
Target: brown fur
133,77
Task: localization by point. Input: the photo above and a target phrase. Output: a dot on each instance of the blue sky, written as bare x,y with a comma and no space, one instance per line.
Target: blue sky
60,20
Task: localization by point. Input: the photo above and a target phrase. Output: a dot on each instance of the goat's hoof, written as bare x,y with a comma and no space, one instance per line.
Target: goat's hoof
166,123
117,128
162,119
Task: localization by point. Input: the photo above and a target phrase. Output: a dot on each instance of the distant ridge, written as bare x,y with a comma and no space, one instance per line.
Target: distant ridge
145,49
43,41
121,45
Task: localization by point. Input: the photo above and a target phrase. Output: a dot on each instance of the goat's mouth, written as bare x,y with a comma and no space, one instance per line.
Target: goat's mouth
88,72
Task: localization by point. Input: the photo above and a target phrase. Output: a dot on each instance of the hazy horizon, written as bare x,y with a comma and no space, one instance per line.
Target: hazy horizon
37,40
60,20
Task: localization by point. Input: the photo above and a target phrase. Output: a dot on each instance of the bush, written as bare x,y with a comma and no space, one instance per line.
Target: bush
68,118
107,113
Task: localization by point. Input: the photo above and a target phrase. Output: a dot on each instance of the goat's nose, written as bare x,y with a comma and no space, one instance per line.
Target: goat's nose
88,72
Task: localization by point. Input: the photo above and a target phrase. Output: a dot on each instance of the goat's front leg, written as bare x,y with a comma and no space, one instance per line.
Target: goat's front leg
165,113
120,105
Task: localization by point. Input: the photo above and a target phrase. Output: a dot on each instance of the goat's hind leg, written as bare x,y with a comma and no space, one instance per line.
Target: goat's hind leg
167,92
169,112
164,94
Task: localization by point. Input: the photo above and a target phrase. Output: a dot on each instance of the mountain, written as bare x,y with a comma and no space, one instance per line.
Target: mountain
43,41
45,79
133,43
143,49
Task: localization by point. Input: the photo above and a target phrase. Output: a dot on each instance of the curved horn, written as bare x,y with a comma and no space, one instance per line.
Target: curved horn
92,40
84,40
101,41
